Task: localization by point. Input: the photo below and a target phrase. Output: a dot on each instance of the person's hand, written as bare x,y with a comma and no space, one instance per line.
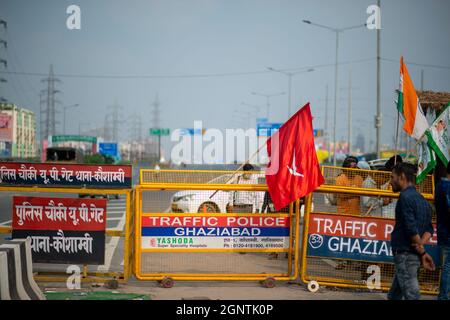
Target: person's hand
427,262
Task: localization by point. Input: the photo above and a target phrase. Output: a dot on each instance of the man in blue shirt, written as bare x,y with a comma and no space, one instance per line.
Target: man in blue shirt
412,230
442,203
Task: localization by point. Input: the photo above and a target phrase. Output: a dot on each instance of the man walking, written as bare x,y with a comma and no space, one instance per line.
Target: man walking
412,230
442,203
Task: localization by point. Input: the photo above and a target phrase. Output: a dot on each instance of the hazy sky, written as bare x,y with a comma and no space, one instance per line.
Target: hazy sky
189,38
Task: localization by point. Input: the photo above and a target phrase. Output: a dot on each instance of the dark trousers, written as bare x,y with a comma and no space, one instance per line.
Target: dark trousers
405,284
445,274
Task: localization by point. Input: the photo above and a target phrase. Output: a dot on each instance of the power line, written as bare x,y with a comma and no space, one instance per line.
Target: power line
37,74
205,75
212,75
418,64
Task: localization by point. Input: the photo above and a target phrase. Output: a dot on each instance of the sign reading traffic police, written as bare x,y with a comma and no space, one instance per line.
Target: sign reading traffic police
230,232
62,230
357,238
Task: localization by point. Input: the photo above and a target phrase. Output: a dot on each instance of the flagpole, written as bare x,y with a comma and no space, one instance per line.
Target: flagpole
242,165
396,138
408,153
420,140
249,159
415,146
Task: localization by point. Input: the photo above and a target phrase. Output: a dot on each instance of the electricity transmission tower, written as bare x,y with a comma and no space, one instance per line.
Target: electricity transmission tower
135,136
156,112
49,102
112,121
3,61
156,119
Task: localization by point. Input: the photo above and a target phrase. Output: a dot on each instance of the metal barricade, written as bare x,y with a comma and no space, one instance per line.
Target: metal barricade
200,225
346,237
121,236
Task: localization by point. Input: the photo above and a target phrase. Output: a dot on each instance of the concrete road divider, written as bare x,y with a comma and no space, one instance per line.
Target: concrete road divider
16,276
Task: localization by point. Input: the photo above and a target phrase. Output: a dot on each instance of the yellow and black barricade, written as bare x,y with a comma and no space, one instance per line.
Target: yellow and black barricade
48,182
57,273
346,231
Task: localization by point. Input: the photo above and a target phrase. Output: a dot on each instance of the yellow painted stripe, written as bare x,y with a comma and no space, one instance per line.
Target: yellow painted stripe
236,277
194,171
63,190
5,230
164,274
170,214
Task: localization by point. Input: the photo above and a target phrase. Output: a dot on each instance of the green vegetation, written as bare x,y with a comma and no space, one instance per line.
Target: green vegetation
95,295
98,159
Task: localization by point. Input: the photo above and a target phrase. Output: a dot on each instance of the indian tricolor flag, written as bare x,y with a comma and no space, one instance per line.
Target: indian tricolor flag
409,106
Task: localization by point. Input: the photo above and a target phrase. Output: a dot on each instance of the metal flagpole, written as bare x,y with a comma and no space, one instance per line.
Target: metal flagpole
241,166
396,138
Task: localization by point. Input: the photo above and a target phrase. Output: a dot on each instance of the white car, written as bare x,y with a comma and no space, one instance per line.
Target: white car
377,164
192,201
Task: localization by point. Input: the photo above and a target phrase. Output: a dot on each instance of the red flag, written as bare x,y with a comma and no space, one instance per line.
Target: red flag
293,170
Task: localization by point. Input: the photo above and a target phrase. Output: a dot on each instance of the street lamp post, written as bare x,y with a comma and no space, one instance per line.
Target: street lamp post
350,89
337,31
378,117
65,108
255,107
289,75
268,96
245,114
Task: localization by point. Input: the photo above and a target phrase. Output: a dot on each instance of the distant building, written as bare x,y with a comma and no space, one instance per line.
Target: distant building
137,151
17,132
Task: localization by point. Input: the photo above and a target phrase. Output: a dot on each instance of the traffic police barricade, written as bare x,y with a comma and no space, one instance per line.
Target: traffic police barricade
212,225
346,237
62,209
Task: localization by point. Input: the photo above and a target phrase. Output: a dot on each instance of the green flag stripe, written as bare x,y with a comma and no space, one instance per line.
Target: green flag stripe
400,102
435,148
430,166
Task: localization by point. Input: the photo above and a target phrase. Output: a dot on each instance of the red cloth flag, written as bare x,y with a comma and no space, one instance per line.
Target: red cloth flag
293,170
